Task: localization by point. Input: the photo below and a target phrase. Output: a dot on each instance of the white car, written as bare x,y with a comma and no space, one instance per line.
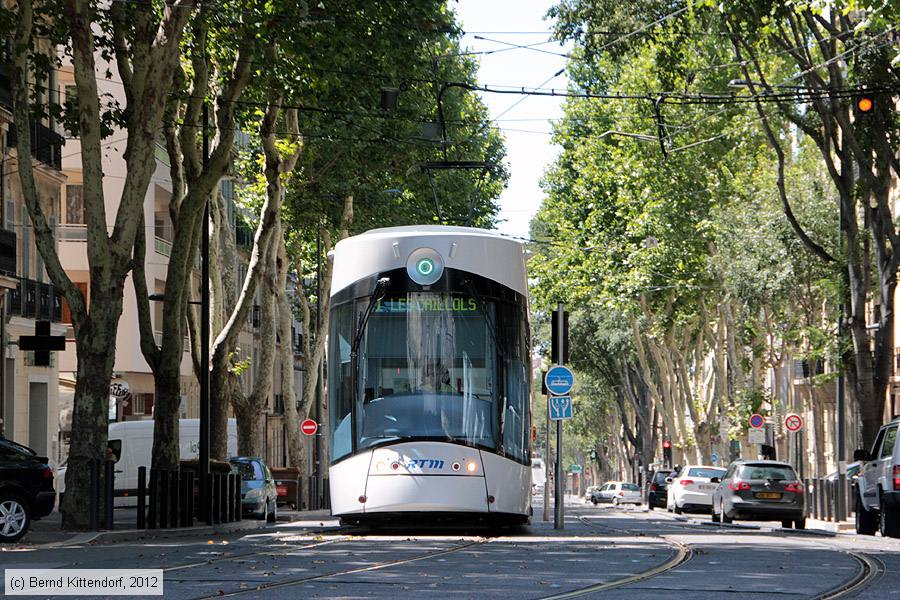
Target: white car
617,492
692,488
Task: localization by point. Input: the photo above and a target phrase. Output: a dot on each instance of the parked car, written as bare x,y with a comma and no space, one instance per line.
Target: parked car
692,489
259,496
877,496
131,445
617,492
656,495
759,490
26,489
852,472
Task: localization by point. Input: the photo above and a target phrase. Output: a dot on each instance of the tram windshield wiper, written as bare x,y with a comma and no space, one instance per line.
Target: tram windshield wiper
377,294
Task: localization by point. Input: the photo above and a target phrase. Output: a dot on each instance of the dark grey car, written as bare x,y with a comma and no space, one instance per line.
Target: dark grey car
760,490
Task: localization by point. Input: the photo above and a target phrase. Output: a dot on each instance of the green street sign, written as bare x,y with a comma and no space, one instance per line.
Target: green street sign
575,469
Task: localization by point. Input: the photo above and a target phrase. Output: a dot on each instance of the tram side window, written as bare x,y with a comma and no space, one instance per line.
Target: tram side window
340,381
516,390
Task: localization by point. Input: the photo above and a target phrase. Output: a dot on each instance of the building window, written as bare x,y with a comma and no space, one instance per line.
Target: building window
26,244
142,404
76,214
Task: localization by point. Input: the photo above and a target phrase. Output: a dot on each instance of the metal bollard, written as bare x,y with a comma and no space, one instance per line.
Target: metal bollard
206,509
174,498
326,493
141,499
215,498
829,501
164,499
183,498
190,499
230,497
841,497
820,499
94,467
238,508
223,498
154,487
109,495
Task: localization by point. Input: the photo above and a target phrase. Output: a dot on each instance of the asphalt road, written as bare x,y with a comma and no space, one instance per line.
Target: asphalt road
603,552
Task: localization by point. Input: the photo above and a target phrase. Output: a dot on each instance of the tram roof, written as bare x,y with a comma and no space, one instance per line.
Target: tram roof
463,248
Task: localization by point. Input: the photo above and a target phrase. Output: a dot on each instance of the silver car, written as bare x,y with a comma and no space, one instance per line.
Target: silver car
759,490
617,492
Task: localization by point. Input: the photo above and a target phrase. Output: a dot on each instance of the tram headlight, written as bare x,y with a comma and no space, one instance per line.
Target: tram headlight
471,466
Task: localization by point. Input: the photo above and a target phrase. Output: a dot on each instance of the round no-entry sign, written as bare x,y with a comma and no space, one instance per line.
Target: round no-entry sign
793,422
309,427
757,421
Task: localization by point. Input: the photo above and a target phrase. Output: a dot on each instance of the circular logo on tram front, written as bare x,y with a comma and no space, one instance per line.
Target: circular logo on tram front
425,266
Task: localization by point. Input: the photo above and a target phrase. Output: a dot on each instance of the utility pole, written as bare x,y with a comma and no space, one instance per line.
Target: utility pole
559,501
840,408
205,512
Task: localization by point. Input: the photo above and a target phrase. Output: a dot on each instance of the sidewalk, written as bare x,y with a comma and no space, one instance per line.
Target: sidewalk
48,533
837,527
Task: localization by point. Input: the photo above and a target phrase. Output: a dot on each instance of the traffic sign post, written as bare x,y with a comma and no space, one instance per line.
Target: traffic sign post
559,381
560,407
714,458
309,427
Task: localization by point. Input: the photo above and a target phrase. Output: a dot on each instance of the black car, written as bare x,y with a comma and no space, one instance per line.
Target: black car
26,489
656,495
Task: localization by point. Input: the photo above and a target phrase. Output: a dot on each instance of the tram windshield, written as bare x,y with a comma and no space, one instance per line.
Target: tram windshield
429,366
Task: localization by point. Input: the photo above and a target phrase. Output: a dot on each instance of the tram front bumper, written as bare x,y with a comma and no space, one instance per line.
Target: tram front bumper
425,493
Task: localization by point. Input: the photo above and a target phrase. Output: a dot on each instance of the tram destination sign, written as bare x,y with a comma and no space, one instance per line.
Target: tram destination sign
430,303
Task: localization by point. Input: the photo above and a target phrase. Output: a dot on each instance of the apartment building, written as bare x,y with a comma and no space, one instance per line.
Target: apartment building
29,399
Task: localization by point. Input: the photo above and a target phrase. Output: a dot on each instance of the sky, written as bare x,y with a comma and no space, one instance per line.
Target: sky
526,124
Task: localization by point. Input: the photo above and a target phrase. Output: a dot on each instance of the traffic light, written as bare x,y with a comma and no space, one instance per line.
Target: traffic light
667,452
865,103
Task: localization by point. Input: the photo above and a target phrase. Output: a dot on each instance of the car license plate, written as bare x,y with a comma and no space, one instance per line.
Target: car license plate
707,488
281,489
769,495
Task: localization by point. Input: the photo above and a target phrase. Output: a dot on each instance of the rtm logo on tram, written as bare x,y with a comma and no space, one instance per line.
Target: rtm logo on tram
423,463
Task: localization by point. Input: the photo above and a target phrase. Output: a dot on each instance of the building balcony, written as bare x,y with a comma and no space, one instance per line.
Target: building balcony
46,144
35,300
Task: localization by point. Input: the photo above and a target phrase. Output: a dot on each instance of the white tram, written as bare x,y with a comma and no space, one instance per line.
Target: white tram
429,377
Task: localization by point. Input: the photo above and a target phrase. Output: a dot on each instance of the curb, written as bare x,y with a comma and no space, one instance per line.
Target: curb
128,535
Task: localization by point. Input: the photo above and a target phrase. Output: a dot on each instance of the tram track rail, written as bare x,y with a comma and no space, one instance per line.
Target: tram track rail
682,554
870,570
268,551
344,572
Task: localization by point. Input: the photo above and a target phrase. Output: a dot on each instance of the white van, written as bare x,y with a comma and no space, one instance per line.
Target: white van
132,441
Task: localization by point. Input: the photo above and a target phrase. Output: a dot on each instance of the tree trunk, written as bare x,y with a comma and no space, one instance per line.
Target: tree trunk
264,248
286,353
